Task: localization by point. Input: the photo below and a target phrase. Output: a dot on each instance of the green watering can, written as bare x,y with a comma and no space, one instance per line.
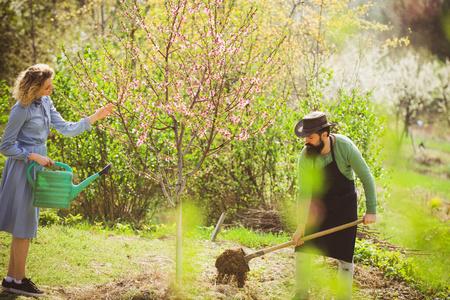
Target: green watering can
54,189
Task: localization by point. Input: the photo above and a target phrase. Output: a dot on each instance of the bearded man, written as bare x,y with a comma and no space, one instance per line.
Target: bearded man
327,198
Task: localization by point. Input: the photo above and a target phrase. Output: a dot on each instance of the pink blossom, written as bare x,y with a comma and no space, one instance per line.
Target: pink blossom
183,109
149,36
232,50
255,80
195,67
243,135
192,10
235,119
204,114
224,132
141,139
174,11
263,129
167,108
243,103
179,84
202,131
177,98
134,84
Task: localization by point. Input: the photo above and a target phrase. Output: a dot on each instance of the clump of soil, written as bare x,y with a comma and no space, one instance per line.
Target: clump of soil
230,265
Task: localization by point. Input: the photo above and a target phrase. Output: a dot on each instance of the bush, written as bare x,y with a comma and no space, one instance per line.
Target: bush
49,217
6,101
398,266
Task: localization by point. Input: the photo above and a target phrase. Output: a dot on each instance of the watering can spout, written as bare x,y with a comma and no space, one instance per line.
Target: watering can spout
82,185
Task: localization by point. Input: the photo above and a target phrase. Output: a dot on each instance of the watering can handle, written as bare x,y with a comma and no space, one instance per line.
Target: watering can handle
57,163
305,238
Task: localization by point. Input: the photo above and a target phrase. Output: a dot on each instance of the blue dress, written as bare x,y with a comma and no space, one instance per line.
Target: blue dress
26,132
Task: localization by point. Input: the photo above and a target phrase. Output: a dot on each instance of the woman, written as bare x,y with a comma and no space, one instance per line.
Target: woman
24,140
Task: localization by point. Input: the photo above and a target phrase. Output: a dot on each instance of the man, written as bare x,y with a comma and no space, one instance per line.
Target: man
327,198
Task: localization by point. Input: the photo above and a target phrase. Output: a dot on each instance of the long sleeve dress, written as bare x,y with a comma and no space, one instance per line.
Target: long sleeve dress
26,132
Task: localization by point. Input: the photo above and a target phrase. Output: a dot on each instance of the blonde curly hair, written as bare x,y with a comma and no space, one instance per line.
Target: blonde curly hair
29,82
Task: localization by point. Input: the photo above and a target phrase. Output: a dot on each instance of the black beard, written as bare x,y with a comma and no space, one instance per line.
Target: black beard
312,150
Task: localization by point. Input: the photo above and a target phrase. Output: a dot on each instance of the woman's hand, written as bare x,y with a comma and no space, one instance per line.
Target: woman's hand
42,160
101,113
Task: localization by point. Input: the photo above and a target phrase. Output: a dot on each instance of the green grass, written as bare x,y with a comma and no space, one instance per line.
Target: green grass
251,238
404,178
241,235
436,143
69,256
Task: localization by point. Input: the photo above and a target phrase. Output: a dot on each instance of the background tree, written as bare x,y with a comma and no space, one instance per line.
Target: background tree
33,31
423,21
413,81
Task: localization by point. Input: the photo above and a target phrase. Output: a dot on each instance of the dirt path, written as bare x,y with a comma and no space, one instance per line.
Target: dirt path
271,277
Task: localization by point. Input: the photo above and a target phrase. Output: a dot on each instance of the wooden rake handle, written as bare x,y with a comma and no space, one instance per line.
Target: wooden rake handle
305,238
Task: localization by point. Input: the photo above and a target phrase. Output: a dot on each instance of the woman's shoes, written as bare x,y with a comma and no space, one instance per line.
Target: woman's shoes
27,288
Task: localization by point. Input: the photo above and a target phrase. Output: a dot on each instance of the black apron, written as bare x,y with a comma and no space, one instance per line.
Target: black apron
338,206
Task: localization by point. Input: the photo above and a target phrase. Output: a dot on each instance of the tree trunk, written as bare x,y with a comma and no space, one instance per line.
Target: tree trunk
102,17
407,123
447,109
179,249
32,33
54,15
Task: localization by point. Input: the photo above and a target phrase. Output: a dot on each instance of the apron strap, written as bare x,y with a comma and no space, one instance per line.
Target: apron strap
331,147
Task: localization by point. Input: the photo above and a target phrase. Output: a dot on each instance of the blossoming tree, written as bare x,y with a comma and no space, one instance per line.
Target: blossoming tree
187,78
